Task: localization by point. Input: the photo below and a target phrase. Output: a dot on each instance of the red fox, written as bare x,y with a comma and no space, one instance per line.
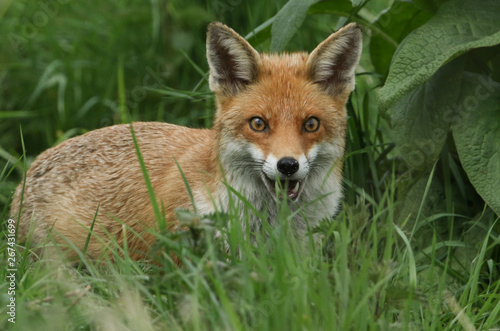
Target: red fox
279,133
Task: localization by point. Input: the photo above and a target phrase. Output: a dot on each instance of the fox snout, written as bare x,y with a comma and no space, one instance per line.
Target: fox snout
286,174
289,166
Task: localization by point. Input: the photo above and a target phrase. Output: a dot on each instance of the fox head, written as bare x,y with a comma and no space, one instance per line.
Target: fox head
281,119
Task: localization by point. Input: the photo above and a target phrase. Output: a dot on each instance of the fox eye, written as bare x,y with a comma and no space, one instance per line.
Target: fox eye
257,124
311,125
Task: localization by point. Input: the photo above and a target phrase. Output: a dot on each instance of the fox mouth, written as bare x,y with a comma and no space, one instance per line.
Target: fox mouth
293,188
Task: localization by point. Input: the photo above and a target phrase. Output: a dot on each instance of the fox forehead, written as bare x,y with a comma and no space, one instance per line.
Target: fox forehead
284,95
286,65
283,87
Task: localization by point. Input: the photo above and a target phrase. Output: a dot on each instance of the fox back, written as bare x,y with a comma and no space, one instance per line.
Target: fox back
279,133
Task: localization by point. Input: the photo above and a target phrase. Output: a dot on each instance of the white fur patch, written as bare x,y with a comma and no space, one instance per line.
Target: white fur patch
303,168
313,152
270,167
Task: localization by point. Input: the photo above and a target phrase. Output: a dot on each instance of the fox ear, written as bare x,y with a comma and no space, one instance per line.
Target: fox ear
333,62
233,62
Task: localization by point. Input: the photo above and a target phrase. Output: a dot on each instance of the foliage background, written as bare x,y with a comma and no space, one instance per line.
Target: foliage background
415,159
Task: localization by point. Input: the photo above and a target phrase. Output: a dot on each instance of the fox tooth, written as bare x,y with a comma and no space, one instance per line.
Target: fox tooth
296,188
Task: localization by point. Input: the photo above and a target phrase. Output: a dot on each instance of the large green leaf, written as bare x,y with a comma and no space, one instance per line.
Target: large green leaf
287,21
390,29
429,5
420,120
476,131
458,26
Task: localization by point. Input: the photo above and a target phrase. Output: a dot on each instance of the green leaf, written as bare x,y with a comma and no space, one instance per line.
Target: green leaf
17,114
428,5
339,7
393,26
458,26
260,33
476,131
412,268
423,197
287,21
356,3
419,120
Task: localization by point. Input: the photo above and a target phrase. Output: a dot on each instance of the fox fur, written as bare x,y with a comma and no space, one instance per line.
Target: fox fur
286,95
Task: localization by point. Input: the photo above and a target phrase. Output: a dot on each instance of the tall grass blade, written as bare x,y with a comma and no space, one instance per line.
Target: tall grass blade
159,217
412,268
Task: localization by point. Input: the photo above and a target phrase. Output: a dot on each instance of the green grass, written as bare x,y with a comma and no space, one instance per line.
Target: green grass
365,275
410,250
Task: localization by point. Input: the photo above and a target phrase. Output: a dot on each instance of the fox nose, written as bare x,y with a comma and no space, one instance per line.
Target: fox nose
288,166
